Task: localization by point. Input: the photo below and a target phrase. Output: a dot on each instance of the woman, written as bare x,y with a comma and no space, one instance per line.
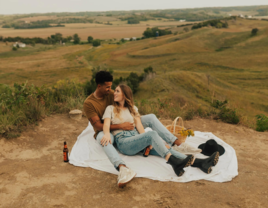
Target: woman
132,142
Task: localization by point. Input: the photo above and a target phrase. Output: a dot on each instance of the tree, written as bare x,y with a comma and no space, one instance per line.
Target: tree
14,48
186,29
89,39
76,39
57,37
96,42
148,33
133,82
69,38
219,25
133,21
148,70
254,31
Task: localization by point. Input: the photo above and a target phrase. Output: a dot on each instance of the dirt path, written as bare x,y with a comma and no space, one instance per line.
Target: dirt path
32,173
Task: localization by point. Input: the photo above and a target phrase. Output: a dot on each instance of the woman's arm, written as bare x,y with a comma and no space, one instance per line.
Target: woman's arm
106,130
139,125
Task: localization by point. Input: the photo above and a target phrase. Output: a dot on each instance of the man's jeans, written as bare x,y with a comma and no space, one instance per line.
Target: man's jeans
147,121
131,143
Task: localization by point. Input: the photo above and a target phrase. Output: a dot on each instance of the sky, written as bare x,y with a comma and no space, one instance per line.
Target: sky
43,6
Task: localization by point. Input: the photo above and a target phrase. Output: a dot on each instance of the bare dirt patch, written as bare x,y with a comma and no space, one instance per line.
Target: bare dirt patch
32,173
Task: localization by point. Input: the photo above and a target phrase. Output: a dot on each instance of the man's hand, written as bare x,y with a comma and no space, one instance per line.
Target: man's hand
106,139
127,126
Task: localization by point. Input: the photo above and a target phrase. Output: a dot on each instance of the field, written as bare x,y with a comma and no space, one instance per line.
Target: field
118,30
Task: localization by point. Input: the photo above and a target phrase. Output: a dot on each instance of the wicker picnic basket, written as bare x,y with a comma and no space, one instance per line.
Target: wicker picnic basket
175,129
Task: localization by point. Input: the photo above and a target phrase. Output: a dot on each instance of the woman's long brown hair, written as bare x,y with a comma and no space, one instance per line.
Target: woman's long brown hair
129,102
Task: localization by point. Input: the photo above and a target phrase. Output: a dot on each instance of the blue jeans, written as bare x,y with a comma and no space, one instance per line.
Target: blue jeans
131,143
147,121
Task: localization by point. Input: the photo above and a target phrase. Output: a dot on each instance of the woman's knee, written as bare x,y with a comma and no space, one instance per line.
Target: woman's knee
152,134
99,136
152,116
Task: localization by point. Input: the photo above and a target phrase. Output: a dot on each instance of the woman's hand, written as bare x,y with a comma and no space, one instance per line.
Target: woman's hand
106,139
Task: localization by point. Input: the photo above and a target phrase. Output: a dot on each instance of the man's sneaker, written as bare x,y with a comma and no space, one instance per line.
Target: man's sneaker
186,149
125,175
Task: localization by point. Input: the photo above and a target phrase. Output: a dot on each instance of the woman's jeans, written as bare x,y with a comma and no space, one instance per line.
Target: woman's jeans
147,121
131,143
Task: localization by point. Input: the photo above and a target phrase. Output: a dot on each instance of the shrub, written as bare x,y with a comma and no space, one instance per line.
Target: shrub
186,29
254,31
262,123
133,21
14,48
76,39
25,104
189,115
96,42
90,39
151,32
219,104
229,116
133,81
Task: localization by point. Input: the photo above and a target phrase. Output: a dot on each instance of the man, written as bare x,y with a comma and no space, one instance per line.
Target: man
94,107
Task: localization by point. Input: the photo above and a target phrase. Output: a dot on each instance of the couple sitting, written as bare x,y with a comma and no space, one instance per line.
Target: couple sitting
124,126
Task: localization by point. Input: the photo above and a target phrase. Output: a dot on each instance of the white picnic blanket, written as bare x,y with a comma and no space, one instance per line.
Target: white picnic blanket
88,153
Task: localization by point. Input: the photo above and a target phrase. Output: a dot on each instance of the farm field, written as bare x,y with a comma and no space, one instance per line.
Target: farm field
118,30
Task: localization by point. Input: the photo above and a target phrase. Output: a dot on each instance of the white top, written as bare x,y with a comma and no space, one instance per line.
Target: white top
125,116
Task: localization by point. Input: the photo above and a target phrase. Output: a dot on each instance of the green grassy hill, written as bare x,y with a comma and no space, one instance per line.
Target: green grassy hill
199,66
192,68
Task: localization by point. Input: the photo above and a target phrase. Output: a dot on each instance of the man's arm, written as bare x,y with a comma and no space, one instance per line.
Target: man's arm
96,123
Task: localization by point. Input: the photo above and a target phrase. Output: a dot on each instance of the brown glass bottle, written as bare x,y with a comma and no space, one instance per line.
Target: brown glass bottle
65,153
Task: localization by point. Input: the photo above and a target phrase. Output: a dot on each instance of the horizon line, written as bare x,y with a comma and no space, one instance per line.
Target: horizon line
133,10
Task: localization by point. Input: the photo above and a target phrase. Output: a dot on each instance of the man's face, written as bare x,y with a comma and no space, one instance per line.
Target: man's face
105,88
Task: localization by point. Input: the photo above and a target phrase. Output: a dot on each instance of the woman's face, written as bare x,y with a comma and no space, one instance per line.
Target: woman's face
118,95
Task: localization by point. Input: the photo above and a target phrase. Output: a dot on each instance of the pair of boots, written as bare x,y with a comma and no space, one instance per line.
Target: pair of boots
203,164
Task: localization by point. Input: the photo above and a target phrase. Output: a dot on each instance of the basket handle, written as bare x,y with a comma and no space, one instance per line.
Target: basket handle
175,122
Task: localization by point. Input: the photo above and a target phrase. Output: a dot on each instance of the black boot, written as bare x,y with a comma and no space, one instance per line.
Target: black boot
179,164
206,164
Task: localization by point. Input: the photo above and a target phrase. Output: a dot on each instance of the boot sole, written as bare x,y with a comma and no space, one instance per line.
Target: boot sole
122,185
206,169
216,159
212,161
189,162
181,172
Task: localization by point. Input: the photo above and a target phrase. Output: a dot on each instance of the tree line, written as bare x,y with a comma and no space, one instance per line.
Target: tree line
151,32
53,39
213,23
32,25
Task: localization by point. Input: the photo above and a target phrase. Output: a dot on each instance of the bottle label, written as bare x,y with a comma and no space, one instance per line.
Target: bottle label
65,156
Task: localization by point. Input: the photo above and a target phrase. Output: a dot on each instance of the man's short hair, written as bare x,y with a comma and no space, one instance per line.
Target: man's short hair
103,76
